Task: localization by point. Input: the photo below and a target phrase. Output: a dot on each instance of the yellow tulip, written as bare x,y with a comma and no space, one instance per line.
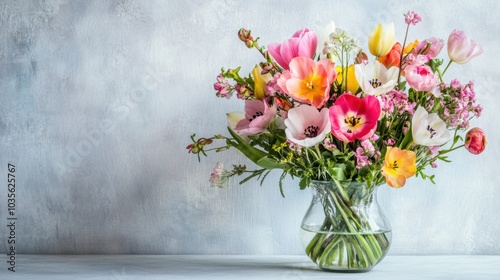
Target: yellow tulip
352,83
260,81
381,40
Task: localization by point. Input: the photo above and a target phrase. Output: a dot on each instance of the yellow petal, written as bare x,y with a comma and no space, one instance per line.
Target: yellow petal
352,82
260,82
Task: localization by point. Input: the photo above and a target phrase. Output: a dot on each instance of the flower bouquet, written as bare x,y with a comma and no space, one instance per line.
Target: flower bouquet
320,109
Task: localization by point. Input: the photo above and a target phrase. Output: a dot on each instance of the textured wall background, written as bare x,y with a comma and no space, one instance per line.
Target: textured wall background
98,99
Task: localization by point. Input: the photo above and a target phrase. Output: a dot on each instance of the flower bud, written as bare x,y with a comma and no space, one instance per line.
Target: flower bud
266,67
381,40
475,141
360,58
246,37
244,34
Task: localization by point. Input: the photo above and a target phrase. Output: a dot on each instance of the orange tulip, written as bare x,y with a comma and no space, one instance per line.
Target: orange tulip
393,57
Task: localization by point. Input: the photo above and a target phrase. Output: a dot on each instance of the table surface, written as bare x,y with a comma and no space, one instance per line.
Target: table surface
121,267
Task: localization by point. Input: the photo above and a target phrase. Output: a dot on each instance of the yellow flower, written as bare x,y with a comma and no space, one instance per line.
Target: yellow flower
352,83
398,166
381,40
410,47
260,81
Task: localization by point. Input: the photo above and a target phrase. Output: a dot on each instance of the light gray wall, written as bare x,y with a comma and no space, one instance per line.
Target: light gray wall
98,99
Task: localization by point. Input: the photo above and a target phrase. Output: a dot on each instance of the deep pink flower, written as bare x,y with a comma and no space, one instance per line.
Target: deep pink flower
421,78
308,81
302,43
354,118
461,48
475,141
258,116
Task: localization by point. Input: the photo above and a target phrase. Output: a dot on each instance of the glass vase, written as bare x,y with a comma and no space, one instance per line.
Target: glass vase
344,228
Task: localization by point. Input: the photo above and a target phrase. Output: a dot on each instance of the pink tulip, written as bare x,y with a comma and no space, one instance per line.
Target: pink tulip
461,48
354,118
421,77
306,126
302,43
434,48
475,141
258,116
308,81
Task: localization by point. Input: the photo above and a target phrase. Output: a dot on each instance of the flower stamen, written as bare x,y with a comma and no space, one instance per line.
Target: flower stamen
257,114
431,130
375,83
311,131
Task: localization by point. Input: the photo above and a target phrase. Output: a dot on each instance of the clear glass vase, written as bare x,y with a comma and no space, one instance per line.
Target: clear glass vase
344,228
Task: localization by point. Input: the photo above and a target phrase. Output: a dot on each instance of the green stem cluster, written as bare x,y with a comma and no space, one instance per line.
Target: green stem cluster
346,241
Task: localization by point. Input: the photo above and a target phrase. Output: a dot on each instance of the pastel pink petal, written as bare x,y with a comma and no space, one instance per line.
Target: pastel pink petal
284,77
242,124
301,67
275,51
300,33
289,50
308,44
252,107
329,67
264,120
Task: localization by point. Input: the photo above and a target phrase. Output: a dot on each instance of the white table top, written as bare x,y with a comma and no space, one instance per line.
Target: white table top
72,267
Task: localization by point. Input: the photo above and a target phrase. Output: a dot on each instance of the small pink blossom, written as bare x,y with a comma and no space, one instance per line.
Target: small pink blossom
222,87
329,145
361,159
412,18
368,147
434,151
217,178
389,142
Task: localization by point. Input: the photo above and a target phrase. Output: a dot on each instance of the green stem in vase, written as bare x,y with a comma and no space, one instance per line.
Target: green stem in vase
345,241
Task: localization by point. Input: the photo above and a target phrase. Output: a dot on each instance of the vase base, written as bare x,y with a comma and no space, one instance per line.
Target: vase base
345,270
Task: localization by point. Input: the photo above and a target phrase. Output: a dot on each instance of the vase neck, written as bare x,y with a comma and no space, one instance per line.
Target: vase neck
355,192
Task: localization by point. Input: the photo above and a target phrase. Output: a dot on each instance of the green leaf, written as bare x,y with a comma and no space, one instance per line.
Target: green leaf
338,172
269,163
304,182
248,150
